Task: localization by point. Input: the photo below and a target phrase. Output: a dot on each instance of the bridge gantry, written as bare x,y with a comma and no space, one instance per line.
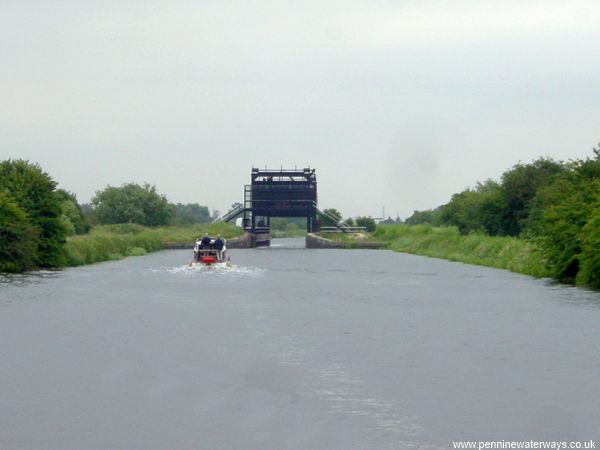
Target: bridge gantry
280,193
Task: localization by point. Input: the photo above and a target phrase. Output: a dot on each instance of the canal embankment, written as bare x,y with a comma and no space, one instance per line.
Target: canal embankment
114,242
510,253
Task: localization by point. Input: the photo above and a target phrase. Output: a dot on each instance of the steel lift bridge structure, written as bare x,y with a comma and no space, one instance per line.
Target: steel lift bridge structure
281,193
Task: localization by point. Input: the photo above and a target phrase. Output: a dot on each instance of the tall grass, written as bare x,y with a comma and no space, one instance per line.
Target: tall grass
509,253
112,242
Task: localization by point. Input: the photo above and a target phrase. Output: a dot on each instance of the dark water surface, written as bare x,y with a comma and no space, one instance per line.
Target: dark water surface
294,349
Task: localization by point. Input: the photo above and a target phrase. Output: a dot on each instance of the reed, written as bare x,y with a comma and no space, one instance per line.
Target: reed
509,253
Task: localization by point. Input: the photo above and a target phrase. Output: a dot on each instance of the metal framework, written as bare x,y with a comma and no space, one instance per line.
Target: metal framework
280,193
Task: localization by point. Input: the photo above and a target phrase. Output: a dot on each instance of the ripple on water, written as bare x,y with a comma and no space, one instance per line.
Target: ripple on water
21,279
231,271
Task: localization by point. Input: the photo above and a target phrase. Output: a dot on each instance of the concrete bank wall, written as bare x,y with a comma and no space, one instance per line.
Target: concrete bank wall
246,240
262,239
314,241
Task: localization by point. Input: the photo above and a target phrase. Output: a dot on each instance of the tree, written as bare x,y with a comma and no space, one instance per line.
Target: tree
132,203
430,216
190,213
479,209
367,222
519,186
565,223
589,274
557,227
72,214
33,190
496,208
18,237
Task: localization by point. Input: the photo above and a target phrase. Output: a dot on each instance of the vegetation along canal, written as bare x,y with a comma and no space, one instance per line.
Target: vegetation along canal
294,348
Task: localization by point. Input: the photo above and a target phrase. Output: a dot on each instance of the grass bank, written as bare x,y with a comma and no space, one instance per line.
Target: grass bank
508,253
112,242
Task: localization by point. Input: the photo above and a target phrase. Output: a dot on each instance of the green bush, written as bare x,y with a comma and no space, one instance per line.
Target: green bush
589,274
137,251
18,238
366,222
187,214
72,215
564,224
34,192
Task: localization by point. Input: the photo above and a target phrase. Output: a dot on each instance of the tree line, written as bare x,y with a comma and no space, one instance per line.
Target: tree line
36,218
554,204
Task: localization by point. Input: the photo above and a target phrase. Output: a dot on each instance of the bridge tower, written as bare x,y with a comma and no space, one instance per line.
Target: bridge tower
280,193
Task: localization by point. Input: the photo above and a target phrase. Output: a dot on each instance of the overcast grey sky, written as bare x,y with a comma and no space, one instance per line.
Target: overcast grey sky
395,103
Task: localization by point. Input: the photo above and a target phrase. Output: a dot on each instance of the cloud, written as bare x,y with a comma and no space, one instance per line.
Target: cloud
420,98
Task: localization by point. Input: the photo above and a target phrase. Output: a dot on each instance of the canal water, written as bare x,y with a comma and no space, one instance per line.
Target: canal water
294,348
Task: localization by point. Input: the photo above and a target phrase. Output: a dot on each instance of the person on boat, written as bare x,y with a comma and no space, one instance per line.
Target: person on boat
205,242
219,245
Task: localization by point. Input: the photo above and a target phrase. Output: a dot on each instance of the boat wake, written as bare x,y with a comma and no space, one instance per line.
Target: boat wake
231,270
